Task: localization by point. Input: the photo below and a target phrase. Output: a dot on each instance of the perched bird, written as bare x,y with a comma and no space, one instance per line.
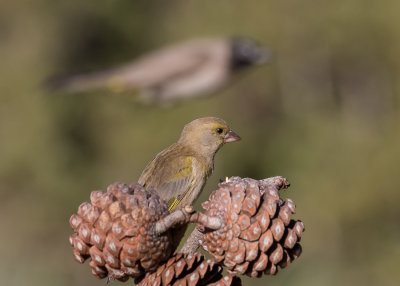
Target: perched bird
183,70
179,173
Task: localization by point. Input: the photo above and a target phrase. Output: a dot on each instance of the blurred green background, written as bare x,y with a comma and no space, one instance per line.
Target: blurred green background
325,115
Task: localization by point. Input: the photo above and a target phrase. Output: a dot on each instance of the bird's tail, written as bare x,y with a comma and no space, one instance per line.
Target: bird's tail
84,82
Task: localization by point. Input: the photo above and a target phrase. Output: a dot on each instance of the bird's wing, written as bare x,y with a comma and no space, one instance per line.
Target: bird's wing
156,68
173,179
179,184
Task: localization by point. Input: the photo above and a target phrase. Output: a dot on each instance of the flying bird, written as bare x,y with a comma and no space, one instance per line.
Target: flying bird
184,70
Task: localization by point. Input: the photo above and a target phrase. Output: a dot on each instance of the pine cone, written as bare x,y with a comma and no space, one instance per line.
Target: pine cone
188,269
116,232
257,234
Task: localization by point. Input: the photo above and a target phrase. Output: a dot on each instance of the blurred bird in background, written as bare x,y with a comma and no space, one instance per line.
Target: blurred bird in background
179,173
183,70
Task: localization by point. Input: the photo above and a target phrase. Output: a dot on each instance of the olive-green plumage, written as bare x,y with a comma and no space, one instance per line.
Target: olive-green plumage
179,172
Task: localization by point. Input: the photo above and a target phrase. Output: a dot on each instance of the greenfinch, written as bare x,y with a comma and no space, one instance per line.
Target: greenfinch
179,173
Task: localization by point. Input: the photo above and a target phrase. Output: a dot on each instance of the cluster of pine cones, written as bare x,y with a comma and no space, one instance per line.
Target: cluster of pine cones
257,234
116,230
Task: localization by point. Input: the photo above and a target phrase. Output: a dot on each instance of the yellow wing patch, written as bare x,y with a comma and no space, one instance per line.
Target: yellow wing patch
185,171
173,204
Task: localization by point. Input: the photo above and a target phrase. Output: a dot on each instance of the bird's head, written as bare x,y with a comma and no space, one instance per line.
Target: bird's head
246,52
206,135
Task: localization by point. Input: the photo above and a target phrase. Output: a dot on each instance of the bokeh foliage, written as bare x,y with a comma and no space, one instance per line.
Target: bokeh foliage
325,115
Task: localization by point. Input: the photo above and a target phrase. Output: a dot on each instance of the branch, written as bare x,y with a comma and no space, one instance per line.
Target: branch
183,216
193,242
277,182
180,216
205,221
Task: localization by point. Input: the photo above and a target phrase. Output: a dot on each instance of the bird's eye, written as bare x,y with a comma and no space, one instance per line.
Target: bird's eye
219,130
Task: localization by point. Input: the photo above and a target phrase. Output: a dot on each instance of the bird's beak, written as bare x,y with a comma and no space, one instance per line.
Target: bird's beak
231,137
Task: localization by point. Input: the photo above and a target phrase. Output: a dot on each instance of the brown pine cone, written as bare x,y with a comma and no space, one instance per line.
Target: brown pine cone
116,231
257,234
188,269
